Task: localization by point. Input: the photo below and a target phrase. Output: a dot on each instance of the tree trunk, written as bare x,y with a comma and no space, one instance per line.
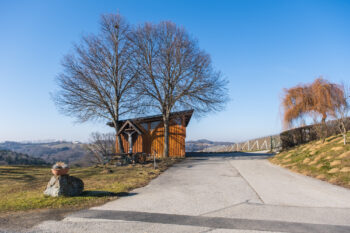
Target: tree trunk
119,140
324,116
324,132
120,144
166,137
344,131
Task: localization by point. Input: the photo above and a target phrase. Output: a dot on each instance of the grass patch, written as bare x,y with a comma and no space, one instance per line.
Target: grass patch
329,161
21,187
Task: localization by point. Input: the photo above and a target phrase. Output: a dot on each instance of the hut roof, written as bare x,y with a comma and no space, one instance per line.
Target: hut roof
130,124
187,114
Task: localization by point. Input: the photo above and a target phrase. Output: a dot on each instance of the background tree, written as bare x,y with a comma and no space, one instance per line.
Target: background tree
101,146
174,73
319,99
342,111
98,75
326,98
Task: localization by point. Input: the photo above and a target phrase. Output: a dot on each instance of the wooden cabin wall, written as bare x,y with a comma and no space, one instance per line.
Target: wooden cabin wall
137,143
177,140
177,135
157,141
153,141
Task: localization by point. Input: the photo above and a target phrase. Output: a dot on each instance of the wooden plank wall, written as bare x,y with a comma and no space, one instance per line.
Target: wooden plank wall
177,137
153,141
137,143
157,141
177,140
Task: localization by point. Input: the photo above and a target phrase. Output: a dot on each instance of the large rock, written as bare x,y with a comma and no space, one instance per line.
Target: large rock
64,185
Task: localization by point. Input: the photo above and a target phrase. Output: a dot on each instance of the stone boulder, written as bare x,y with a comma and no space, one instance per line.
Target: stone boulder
64,185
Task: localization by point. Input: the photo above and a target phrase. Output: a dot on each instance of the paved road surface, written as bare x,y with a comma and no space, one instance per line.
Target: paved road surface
240,193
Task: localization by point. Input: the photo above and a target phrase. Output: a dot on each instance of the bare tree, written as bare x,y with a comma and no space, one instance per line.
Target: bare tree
342,112
321,128
98,75
174,73
101,146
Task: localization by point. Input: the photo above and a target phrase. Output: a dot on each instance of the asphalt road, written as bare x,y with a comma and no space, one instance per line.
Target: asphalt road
240,193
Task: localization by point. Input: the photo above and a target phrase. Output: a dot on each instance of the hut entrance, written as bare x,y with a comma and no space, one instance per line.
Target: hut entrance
130,129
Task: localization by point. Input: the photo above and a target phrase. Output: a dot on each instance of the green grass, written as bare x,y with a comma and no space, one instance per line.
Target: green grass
21,187
329,161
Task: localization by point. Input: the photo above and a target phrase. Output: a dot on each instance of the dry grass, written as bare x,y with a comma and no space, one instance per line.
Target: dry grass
21,187
329,161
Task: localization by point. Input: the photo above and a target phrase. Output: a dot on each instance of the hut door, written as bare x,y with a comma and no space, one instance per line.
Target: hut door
130,129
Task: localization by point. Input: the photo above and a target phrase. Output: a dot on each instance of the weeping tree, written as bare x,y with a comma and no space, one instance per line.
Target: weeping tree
319,99
98,76
174,73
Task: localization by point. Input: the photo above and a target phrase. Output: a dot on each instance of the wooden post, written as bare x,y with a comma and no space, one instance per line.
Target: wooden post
154,160
271,143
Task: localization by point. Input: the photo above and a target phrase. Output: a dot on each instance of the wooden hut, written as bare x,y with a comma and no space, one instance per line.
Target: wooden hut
146,134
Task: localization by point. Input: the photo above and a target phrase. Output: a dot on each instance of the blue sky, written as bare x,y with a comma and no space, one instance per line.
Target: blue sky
260,46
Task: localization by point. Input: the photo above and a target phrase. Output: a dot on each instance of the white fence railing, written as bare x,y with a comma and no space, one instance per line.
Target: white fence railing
265,143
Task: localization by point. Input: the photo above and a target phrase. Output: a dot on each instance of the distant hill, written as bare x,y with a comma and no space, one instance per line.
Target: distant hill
69,152
74,152
8,157
200,145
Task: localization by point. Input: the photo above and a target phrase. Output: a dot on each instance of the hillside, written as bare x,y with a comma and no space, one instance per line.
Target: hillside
50,151
329,161
74,152
8,157
200,145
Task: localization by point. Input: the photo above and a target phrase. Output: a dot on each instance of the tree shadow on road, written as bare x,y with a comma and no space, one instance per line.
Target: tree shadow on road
106,194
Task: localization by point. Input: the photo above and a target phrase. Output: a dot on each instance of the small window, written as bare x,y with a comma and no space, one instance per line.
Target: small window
154,124
177,121
145,126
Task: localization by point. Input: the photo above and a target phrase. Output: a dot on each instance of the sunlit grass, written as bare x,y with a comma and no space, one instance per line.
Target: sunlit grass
329,161
21,187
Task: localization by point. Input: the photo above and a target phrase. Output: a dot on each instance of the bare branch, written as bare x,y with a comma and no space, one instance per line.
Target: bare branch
98,76
174,74
101,146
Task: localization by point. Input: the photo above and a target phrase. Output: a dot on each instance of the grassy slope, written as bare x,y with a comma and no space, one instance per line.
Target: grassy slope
21,187
329,161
